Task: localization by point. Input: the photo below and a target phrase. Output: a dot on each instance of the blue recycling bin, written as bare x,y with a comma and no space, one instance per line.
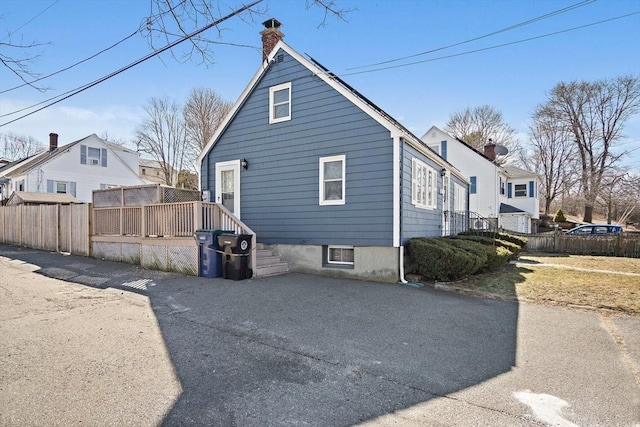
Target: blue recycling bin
209,256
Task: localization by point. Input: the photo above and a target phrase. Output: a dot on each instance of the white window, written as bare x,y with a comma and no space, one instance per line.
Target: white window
332,180
340,255
93,156
20,185
520,190
424,185
460,198
280,103
61,187
502,187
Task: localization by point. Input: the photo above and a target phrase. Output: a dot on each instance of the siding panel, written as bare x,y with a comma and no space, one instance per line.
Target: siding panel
279,190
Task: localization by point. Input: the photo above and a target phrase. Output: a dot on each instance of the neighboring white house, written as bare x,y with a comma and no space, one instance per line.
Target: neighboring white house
508,195
77,168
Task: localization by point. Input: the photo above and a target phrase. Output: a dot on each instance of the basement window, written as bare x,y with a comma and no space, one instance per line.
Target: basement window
342,255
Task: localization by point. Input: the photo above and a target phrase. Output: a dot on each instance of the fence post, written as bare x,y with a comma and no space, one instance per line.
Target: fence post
197,215
143,209
556,237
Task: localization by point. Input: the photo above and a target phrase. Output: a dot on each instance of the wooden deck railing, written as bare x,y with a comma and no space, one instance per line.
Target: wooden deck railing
168,220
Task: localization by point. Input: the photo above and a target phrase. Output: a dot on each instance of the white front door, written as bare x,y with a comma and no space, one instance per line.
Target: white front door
228,185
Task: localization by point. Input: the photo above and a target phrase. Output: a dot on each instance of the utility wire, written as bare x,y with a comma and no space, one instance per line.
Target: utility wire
73,65
30,20
133,64
521,24
146,23
492,47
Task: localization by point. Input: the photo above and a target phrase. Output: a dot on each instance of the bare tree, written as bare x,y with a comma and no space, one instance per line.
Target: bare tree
596,113
553,155
203,113
172,19
19,59
16,147
163,136
475,126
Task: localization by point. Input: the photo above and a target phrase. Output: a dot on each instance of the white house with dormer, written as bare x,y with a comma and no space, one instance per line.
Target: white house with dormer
77,169
506,195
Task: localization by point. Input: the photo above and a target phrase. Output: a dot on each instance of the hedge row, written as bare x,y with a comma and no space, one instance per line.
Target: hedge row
452,258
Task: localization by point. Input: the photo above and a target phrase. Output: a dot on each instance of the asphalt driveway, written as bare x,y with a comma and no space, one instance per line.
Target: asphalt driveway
298,350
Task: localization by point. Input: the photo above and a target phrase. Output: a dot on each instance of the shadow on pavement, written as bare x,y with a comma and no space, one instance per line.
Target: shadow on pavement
307,350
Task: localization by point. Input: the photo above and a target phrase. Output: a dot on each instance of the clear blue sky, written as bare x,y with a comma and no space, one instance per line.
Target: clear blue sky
513,79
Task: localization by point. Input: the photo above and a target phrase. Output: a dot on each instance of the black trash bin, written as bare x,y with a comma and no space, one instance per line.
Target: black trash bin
236,249
209,257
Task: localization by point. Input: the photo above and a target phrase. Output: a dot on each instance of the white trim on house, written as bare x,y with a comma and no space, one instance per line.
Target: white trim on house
342,247
231,165
397,176
273,105
321,180
424,185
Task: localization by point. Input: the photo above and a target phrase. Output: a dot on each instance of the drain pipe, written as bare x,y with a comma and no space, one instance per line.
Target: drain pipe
402,281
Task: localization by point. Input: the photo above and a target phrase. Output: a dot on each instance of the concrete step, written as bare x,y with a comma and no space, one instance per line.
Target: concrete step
271,269
263,253
268,264
267,260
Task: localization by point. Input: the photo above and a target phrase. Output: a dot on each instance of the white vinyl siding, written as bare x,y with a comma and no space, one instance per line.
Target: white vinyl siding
424,185
280,103
332,180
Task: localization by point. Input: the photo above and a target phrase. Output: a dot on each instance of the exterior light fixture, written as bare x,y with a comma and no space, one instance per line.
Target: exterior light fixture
443,172
244,163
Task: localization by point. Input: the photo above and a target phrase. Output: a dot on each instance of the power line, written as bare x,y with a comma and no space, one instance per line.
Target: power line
146,23
30,20
492,47
72,65
521,24
133,64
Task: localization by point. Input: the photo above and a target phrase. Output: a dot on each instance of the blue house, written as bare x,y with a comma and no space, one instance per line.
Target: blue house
326,179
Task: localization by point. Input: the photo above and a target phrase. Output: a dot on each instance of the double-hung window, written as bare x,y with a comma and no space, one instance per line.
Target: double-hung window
520,190
424,185
280,103
332,180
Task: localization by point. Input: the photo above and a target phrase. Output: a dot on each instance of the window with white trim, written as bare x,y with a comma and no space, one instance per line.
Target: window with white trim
340,255
280,103
424,185
520,190
332,180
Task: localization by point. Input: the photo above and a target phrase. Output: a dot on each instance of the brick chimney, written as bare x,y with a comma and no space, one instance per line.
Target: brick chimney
490,150
271,35
53,141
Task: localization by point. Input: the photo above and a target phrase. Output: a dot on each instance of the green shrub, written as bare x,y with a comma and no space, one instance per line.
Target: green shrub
440,260
513,249
518,240
498,256
559,216
477,250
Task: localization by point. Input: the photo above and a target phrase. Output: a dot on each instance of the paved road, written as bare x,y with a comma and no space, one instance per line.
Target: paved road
89,342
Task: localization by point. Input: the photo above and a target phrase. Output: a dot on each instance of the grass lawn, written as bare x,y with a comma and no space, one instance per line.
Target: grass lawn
600,282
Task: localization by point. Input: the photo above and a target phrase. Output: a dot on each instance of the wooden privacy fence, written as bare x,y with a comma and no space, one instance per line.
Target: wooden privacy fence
167,220
623,244
60,228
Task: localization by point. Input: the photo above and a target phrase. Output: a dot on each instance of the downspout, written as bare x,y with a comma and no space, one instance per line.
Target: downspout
402,280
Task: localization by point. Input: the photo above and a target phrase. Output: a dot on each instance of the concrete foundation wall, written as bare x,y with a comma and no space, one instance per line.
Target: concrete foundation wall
376,263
